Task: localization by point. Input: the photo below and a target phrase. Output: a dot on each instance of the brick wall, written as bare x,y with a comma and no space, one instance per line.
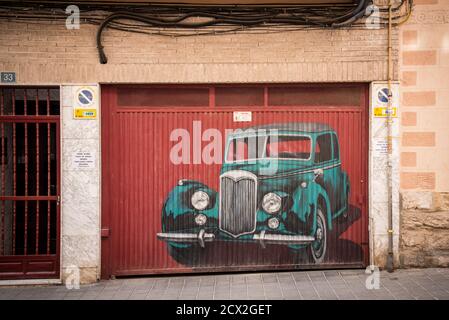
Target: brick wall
51,54
424,75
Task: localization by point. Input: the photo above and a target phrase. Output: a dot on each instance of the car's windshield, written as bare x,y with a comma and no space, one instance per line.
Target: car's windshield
275,146
246,148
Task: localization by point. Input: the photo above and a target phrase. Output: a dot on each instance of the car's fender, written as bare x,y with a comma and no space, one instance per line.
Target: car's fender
309,197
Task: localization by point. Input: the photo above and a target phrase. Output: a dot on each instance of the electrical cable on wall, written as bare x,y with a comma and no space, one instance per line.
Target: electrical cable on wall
199,20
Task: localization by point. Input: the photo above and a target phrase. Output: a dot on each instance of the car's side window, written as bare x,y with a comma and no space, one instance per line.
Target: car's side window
323,148
336,147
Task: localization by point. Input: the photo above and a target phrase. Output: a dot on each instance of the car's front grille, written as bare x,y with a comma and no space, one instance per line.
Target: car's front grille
238,196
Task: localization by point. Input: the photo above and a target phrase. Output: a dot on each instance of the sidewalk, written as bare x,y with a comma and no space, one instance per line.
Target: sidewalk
330,284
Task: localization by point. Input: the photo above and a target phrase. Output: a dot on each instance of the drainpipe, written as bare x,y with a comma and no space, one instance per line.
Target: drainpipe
389,144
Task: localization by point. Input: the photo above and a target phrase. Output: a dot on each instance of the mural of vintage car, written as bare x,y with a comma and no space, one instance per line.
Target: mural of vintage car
279,184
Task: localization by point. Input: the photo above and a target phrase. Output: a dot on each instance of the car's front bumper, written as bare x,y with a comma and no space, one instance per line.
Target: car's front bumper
200,237
263,238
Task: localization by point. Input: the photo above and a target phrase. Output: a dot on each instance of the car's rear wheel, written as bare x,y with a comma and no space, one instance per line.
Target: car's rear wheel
318,247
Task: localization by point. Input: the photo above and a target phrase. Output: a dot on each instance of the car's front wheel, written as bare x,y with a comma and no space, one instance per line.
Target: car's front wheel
319,246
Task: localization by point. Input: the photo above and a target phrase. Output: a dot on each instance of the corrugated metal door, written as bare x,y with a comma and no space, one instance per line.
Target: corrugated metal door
184,191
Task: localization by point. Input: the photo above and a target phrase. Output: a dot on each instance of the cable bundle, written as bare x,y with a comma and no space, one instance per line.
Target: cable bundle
195,20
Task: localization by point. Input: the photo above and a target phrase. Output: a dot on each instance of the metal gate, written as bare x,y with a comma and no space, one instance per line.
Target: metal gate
206,178
29,199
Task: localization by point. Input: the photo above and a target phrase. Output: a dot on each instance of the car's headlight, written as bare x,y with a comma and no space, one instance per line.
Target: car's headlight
271,203
200,200
200,219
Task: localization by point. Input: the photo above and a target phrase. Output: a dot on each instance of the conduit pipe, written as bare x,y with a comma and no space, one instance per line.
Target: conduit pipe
390,263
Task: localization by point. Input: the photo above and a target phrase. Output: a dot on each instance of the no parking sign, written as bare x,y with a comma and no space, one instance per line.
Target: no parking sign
383,110
85,104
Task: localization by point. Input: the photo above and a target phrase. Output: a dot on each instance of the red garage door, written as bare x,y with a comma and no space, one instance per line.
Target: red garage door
229,177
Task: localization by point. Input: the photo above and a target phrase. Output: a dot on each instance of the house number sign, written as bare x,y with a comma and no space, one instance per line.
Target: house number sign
8,77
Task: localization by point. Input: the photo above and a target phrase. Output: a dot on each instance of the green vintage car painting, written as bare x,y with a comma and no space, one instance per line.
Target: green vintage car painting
279,184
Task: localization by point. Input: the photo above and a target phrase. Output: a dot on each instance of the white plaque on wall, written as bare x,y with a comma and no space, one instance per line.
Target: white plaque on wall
83,160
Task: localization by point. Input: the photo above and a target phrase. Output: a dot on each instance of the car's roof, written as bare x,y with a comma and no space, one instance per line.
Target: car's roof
295,126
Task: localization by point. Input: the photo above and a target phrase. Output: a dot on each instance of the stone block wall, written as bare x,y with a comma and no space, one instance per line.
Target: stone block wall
424,229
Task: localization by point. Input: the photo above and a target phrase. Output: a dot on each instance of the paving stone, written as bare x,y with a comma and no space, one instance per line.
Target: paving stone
300,276
290,293
139,296
256,296
274,295
239,297
256,288
345,296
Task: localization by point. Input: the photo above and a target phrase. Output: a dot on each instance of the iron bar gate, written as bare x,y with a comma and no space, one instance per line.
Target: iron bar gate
29,182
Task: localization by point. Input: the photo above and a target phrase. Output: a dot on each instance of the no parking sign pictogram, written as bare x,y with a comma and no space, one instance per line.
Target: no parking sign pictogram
85,97
384,95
